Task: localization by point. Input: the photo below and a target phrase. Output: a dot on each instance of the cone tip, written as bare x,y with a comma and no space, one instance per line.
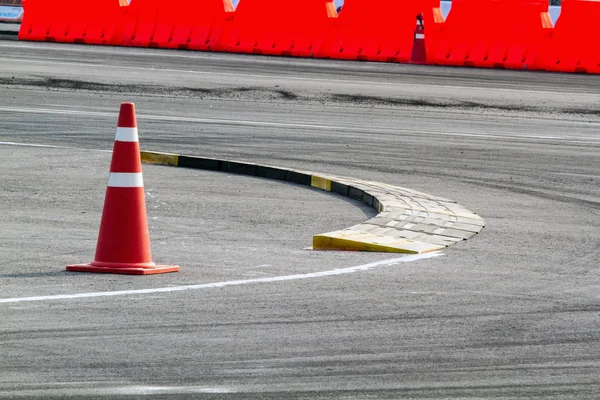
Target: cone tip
127,116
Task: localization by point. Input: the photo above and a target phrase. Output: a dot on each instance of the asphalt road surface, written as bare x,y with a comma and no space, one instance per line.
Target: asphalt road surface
511,313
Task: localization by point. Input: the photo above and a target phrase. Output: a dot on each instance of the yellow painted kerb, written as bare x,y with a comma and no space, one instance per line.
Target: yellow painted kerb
322,242
149,157
321,183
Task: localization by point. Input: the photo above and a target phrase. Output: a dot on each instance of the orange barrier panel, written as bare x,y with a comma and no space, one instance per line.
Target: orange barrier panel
572,47
192,24
90,23
466,20
182,29
63,18
494,33
517,37
72,21
294,28
36,20
139,23
212,26
166,19
381,31
104,22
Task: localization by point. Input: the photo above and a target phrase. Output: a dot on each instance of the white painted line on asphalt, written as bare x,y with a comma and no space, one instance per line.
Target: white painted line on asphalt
212,73
47,146
346,82
85,389
274,279
47,61
181,119
94,107
55,111
336,128
153,390
33,145
190,55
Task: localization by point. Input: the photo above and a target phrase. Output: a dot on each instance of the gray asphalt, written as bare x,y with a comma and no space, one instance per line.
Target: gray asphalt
511,313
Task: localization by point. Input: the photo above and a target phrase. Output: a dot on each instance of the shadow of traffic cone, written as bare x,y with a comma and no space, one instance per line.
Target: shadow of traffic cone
419,53
124,241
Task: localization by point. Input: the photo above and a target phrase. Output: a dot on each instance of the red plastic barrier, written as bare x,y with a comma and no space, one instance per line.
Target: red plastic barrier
92,23
294,28
166,20
573,46
523,26
72,21
465,22
188,24
383,31
139,23
494,33
104,22
211,26
63,21
37,17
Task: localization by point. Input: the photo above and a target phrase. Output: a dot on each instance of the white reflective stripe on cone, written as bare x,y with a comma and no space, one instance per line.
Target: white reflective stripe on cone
127,135
121,179
419,36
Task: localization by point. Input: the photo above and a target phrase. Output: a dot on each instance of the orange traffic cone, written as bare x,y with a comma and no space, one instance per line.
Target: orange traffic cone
124,241
419,54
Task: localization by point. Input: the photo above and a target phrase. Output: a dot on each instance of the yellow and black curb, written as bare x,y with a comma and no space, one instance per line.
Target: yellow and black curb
408,221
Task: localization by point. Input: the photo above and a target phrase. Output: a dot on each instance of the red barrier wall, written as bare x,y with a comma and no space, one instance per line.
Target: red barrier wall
36,20
73,21
212,26
139,22
192,24
573,46
484,33
167,17
295,28
494,33
104,22
94,23
383,31
61,21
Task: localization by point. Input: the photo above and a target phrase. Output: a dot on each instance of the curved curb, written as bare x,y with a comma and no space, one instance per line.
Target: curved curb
408,221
